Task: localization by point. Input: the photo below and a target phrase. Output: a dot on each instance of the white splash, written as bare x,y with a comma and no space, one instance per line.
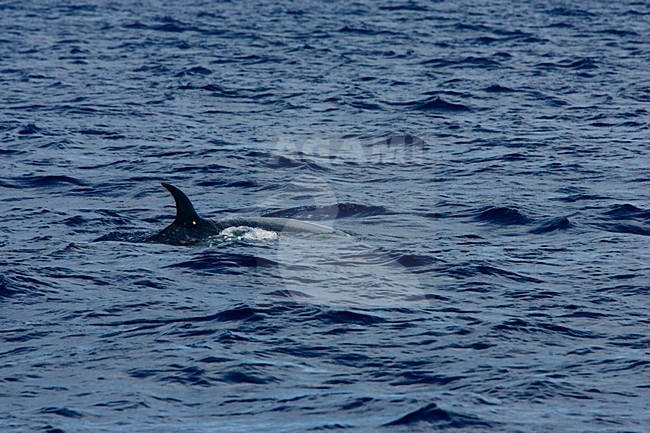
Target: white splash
243,233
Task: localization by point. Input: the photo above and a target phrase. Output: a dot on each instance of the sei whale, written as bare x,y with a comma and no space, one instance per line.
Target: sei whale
189,228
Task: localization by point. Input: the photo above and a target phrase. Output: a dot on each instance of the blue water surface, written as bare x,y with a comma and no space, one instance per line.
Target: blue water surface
487,163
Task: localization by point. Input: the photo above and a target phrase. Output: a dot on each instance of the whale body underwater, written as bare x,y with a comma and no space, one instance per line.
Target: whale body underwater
189,228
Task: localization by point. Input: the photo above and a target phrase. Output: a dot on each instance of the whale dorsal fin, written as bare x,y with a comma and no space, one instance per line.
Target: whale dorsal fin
185,213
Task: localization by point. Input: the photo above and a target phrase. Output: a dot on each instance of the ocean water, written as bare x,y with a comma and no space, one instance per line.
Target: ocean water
486,163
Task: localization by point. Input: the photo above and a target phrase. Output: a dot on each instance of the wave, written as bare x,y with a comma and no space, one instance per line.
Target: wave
416,260
406,6
520,325
124,236
30,129
494,271
628,228
5,287
224,263
400,140
558,223
280,161
239,184
496,88
437,104
625,218
580,64
218,90
107,134
480,62
627,211
12,152
196,70
503,216
347,317
243,377
474,270
166,25
61,411
288,293
366,31
570,12
443,419
580,197
423,377
50,181
240,312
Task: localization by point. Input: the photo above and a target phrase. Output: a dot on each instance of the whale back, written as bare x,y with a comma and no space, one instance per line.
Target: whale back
189,228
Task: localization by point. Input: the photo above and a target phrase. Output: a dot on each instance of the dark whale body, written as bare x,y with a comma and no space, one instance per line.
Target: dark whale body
189,228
